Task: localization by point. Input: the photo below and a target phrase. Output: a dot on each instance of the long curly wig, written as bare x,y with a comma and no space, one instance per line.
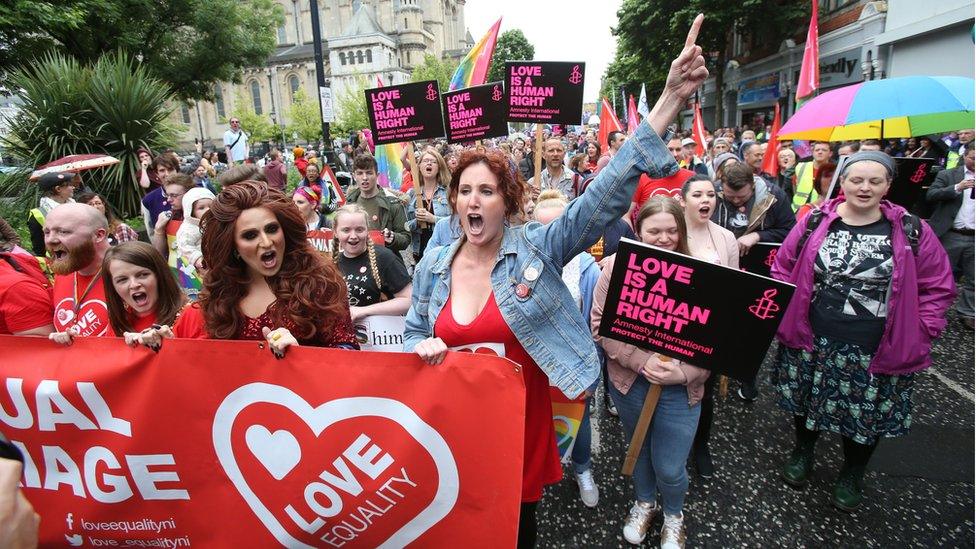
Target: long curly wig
311,293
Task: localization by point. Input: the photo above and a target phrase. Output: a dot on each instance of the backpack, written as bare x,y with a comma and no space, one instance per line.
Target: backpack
911,225
581,186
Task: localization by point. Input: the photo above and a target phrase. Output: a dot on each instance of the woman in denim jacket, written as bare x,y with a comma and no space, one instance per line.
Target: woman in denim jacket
435,177
512,275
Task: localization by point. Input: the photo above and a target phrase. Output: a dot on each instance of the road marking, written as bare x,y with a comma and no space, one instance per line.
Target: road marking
952,385
595,428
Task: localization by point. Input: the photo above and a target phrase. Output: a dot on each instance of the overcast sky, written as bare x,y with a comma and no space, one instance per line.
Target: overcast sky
560,30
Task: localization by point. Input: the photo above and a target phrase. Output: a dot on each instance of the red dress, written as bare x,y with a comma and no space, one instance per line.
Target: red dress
540,465
191,325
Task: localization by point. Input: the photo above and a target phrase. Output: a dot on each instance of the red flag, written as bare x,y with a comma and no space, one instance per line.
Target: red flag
698,131
810,71
770,163
608,123
633,119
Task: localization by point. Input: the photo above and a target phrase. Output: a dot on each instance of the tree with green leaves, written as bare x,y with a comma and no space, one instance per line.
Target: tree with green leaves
258,127
305,118
351,108
512,45
189,44
642,54
114,107
433,68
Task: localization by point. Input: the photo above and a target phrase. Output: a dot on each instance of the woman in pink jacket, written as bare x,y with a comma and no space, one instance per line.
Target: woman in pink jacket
873,284
660,466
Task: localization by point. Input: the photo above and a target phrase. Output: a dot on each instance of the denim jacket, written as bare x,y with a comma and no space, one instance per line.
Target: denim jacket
441,210
547,321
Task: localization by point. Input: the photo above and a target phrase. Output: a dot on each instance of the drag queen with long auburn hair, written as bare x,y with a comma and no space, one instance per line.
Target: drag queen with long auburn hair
264,280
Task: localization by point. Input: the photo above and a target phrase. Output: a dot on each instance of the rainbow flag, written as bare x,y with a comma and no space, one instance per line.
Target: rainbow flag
389,167
473,69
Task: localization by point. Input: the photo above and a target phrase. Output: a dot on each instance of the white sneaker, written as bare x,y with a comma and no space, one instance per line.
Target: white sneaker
589,492
639,521
673,532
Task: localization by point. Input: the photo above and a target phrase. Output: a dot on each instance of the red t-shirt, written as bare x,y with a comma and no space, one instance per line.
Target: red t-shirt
190,324
91,316
139,323
25,303
540,464
666,186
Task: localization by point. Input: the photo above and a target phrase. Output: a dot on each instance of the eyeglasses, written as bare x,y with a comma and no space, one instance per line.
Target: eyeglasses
174,196
235,121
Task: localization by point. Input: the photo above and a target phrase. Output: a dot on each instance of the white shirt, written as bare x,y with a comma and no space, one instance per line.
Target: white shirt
239,152
966,216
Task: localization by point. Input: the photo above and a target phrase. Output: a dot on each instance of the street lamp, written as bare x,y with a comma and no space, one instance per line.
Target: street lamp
271,92
313,6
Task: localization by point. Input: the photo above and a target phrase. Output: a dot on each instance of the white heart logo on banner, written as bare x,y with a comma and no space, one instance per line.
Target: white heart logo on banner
318,419
279,451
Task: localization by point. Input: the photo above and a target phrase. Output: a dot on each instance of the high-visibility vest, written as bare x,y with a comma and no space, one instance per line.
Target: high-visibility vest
805,191
41,261
952,159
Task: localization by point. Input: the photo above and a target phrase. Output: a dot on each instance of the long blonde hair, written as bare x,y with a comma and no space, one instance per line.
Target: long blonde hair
443,173
356,209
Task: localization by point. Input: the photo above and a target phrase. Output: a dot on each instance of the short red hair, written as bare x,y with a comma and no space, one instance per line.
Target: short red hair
498,164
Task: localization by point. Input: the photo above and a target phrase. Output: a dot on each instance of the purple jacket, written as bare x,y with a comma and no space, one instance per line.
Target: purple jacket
922,289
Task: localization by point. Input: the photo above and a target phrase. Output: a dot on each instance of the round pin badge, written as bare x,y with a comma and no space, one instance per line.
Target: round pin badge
522,291
531,274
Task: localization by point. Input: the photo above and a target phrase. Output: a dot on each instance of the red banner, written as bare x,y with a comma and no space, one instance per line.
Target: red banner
218,444
321,239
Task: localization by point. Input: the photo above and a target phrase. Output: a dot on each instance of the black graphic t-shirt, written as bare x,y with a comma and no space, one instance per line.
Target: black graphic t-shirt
363,289
852,274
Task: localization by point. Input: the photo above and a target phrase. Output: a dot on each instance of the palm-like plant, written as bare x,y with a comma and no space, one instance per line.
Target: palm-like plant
113,107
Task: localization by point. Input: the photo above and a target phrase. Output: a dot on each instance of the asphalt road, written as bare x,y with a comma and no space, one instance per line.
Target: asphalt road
919,490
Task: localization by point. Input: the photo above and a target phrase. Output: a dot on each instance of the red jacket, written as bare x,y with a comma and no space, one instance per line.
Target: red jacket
301,163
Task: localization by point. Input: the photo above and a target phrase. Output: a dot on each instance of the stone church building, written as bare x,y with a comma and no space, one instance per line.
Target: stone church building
360,39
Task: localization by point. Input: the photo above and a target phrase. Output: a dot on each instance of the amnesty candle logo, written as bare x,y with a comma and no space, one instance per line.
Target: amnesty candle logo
765,308
576,77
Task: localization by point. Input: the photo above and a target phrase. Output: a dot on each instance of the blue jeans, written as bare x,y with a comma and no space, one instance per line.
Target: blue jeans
661,463
581,449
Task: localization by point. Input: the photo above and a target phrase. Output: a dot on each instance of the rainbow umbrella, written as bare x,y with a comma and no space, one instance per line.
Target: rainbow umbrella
890,108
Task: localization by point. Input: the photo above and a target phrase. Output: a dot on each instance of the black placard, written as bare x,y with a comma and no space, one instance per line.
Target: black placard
912,179
407,112
760,258
547,92
714,317
475,113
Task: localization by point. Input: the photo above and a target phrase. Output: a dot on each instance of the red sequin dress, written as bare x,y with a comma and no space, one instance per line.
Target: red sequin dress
192,325
540,465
